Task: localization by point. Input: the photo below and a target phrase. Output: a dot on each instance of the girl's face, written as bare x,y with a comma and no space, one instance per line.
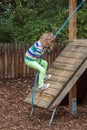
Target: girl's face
47,44
46,40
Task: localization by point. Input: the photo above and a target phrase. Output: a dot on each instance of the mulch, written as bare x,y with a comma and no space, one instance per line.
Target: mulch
15,113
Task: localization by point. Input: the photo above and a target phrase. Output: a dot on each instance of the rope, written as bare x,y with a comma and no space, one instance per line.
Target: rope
61,28
34,89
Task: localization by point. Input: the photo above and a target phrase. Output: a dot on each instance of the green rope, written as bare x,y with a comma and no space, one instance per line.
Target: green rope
61,28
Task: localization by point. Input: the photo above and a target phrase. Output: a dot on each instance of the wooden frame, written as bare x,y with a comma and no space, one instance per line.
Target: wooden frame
72,36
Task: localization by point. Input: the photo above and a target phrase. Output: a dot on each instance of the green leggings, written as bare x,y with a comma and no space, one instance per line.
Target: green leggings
42,68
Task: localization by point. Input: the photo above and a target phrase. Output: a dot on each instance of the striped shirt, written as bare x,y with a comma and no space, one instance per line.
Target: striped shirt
35,51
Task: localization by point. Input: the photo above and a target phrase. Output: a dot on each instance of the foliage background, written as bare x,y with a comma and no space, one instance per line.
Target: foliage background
24,21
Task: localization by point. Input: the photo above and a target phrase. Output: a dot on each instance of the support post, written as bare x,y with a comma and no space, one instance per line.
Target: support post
73,100
72,36
72,22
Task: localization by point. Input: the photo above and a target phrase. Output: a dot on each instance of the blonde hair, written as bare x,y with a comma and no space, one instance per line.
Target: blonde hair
47,36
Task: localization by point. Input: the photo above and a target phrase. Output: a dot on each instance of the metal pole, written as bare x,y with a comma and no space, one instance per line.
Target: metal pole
52,117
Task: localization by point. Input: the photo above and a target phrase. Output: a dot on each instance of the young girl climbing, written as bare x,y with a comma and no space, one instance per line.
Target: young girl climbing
33,58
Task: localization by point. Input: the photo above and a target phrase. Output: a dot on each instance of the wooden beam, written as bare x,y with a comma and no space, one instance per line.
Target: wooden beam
72,36
72,22
73,100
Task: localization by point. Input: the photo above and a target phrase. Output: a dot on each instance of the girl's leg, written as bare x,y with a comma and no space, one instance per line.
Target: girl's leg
42,70
44,64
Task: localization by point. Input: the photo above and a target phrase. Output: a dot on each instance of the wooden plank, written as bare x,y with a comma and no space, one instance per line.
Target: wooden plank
8,64
22,59
72,54
4,62
24,65
67,60
40,95
6,59
59,79
79,43
69,85
62,66
20,70
28,69
37,102
55,85
1,61
42,103
15,60
13,55
46,95
12,58
80,40
41,99
51,90
75,48
84,41
60,72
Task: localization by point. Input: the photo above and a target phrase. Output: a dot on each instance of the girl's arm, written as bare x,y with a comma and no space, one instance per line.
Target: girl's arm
39,49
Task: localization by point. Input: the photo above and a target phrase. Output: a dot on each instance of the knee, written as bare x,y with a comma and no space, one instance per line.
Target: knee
42,71
46,63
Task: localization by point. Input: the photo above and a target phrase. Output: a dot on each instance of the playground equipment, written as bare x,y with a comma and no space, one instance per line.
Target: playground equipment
66,70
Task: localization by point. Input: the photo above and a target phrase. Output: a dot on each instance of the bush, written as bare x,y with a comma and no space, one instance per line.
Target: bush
26,23
82,22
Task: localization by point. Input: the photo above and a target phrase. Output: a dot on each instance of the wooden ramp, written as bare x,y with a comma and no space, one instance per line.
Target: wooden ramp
66,70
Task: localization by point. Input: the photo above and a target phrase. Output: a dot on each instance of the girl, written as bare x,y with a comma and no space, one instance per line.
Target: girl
33,55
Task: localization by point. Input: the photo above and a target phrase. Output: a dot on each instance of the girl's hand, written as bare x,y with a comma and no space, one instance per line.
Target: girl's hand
45,48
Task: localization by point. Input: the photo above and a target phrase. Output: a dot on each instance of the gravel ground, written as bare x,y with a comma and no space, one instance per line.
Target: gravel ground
14,113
